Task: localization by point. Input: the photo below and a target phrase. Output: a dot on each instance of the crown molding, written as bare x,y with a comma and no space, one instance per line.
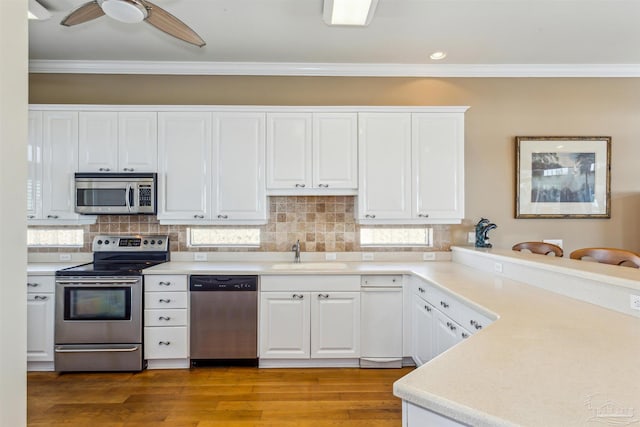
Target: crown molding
333,69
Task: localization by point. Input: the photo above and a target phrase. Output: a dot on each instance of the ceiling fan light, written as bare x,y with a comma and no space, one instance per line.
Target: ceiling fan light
349,12
129,11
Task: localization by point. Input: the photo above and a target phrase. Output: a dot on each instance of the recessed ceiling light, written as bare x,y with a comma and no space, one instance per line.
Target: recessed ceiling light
436,56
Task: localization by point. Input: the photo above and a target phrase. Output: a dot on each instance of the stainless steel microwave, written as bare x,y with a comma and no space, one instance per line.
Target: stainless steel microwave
115,193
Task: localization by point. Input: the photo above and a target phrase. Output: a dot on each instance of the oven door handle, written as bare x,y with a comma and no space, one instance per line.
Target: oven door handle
113,281
62,349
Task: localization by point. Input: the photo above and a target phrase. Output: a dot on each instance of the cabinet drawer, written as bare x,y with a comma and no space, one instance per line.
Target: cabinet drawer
41,284
381,280
165,343
165,300
165,283
471,319
160,317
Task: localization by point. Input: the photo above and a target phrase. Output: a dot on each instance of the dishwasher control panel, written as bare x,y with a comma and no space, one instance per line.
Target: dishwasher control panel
212,283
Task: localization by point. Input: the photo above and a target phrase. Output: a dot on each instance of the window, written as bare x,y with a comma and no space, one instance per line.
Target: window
420,236
202,237
55,237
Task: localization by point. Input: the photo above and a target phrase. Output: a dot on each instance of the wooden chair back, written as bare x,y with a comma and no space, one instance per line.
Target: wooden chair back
539,248
609,256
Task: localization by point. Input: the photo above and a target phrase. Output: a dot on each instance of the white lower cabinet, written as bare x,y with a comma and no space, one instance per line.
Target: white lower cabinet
166,331
423,319
416,416
40,322
305,318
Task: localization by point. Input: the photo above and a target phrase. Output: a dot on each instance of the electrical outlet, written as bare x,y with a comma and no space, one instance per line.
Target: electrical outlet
635,302
367,256
330,256
429,256
200,256
497,267
471,237
65,257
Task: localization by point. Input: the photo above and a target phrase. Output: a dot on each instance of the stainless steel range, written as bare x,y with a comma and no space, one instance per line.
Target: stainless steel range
99,305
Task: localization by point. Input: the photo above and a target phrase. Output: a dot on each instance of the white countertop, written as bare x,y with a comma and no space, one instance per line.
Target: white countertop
47,268
549,360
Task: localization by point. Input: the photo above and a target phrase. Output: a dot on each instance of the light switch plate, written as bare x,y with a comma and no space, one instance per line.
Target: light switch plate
471,237
635,302
200,256
497,267
367,256
65,257
429,256
330,256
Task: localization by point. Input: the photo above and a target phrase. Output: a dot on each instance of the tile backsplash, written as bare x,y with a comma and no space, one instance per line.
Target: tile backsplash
321,223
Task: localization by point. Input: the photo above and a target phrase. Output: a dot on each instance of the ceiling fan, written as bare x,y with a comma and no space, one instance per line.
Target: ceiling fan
134,11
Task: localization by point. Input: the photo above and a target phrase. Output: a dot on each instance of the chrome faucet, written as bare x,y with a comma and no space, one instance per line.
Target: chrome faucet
296,248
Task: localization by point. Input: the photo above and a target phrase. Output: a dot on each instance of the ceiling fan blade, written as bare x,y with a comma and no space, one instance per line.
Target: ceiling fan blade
84,13
166,22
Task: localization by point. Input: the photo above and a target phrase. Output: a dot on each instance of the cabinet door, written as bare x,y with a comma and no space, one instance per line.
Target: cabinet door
34,166
239,191
184,165
335,324
438,165
284,325
289,150
423,327
445,334
335,150
40,320
59,163
384,164
98,142
137,142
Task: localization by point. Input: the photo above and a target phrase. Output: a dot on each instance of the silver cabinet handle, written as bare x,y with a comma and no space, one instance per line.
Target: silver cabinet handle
164,283
52,216
198,216
104,169
423,215
323,185
164,318
478,326
465,335
369,216
223,216
323,296
298,296
426,307
41,297
128,169
301,185
31,216
164,342
33,285
164,300
451,326
444,304
421,290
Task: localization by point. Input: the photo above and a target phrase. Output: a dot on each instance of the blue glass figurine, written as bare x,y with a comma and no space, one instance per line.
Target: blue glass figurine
482,228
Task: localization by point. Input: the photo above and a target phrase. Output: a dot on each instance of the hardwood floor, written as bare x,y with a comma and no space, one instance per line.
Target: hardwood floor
215,396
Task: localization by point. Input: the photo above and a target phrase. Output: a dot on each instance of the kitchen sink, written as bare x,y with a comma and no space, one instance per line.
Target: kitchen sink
310,266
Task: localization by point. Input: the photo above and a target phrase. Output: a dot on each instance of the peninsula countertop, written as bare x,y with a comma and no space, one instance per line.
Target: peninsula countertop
548,359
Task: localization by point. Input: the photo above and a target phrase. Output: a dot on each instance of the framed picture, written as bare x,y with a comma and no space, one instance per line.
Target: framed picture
563,177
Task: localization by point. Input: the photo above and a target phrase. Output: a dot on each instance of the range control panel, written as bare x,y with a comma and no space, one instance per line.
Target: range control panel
138,243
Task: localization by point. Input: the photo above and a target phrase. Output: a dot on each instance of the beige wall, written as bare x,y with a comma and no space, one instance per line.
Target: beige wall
501,108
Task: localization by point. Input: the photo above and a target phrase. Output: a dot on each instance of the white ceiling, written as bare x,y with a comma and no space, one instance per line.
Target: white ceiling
478,33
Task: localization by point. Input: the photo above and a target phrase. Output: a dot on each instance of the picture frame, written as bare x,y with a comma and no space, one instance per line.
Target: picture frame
563,177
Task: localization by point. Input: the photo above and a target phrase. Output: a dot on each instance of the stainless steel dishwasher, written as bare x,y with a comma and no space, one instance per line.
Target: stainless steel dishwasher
224,319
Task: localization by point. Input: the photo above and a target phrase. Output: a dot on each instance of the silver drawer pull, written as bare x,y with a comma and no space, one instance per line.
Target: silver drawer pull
323,185
444,304
465,335
323,296
33,285
164,283
478,326
198,216
426,307
369,216
423,215
421,290
298,296
128,169
41,297
104,169
52,216
164,318
164,342
164,300
223,216
31,216
301,185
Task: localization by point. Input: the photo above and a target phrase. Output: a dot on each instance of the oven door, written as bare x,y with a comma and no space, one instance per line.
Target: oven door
98,310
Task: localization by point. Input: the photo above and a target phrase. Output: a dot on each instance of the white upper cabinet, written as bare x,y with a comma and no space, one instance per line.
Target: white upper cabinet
289,150
335,150
184,167
117,141
34,166
438,165
312,153
411,167
137,141
384,160
239,167
59,164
